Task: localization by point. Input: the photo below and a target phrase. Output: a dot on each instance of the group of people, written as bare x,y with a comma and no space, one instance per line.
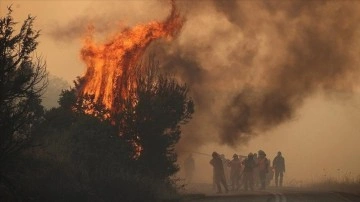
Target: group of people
252,170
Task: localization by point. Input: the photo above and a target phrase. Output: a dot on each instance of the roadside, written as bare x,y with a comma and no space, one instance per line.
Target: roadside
205,192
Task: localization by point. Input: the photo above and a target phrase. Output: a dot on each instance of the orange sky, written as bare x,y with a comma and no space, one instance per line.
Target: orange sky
323,134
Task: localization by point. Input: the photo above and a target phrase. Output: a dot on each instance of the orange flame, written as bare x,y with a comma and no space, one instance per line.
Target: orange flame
111,66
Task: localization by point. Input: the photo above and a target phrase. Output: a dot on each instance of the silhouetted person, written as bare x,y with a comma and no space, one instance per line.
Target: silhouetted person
270,175
235,170
279,166
189,166
219,175
226,167
263,167
248,173
256,170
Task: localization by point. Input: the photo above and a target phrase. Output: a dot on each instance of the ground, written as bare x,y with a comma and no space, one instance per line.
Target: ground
205,193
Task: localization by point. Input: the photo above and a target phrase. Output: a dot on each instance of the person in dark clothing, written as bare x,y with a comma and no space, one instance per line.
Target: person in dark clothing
263,167
219,175
279,167
235,171
256,171
248,172
226,166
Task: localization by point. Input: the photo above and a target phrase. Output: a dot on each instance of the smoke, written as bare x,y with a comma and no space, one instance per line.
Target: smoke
259,61
250,65
107,17
317,40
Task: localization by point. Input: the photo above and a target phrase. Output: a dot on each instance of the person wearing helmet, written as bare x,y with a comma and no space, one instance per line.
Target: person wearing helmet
248,173
279,166
263,167
235,169
219,175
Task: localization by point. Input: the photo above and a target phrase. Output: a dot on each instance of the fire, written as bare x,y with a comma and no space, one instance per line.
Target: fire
110,73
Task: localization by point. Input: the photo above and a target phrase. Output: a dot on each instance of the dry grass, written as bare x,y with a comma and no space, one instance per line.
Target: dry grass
346,183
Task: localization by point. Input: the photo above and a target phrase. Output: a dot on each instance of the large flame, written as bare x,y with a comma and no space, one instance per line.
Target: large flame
111,66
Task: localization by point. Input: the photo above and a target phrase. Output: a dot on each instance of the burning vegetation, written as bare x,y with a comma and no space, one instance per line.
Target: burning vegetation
114,74
143,112
111,67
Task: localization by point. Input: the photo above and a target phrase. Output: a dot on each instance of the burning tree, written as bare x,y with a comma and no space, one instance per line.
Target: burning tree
147,107
151,121
116,128
102,150
111,73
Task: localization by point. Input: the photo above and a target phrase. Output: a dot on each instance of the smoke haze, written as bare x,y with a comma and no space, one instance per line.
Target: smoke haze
259,60
260,72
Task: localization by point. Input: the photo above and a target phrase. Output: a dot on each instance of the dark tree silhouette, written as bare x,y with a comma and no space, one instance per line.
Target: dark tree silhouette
23,78
151,119
87,151
94,151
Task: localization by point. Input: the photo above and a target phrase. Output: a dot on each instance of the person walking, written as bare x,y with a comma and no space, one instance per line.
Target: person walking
279,167
219,175
235,170
256,170
248,172
226,162
263,168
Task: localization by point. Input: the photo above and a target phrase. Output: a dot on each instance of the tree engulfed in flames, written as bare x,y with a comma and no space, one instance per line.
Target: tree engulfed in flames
111,66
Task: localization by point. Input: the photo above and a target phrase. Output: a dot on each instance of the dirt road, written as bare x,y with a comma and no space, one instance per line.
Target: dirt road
286,194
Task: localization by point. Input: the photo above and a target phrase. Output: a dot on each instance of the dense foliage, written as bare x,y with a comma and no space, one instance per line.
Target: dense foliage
80,151
154,121
23,78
